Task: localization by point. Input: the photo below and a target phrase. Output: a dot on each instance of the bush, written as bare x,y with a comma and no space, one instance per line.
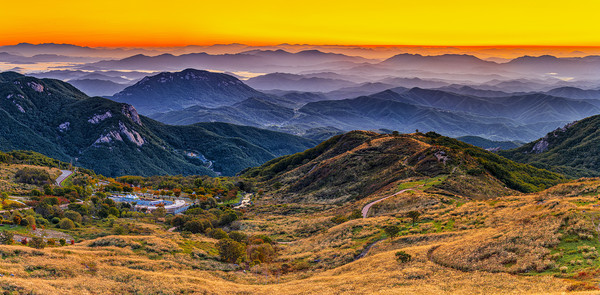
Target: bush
33,176
55,220
30,221
218,234
238,237
231,251
339,219
178,221
195,226
260,239
113,211
356,214
391,231
62,242
66,223
403,257
74,216
262,253
16,220
37,242
6,237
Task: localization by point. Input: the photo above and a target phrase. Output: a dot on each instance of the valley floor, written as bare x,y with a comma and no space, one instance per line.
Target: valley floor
67,271
541,243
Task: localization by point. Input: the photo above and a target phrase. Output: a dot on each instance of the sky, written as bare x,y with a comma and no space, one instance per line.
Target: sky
265,22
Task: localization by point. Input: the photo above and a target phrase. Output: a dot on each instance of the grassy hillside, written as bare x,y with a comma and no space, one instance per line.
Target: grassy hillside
573,149
358,164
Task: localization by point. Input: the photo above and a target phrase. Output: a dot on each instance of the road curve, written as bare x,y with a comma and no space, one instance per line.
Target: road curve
63,176
365,209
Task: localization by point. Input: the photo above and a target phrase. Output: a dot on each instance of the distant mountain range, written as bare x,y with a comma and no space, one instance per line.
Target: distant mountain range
521,117
252,111
526,109
490,145
575,93
283,81
255,61
56,119
121,77
97,87
175,91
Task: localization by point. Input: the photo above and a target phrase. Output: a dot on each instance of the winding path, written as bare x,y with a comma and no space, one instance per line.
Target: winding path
365,209
365,251
65,174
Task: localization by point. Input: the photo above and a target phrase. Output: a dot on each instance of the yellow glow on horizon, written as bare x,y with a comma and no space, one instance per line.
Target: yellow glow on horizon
259,22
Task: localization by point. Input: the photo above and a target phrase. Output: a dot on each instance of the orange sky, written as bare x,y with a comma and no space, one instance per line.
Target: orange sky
259,22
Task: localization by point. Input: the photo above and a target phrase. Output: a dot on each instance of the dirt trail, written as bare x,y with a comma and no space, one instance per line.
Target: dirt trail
365,209
365,251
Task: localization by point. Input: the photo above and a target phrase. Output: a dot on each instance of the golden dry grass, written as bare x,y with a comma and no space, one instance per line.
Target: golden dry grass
7,177
122,272
508,245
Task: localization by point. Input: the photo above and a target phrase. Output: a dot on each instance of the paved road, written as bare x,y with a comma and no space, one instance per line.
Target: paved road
365,209
63,176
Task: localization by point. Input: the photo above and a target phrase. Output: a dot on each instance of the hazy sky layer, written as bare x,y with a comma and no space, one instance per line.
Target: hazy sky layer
374,22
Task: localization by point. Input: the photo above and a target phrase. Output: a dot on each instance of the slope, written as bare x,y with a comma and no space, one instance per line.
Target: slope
54,118
574,148
358,164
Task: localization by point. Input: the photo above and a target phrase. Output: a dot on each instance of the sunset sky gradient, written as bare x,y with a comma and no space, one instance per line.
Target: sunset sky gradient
262,22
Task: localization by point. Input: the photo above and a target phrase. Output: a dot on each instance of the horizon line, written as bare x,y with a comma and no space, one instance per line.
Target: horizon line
308,44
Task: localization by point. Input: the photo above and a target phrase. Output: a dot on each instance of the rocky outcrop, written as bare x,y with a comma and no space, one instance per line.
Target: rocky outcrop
540,146
543,144
100,117
36,86
64,126
119,135
132,135
108,138
129,111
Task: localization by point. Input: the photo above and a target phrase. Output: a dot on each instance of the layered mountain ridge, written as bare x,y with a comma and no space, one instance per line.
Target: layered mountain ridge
56,119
